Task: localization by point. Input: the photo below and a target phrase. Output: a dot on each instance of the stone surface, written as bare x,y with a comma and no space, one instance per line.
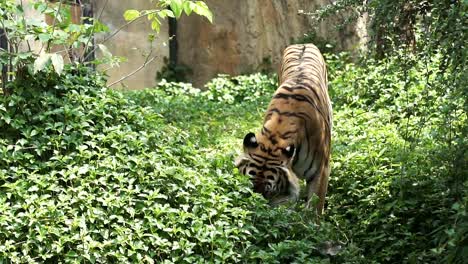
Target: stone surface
250,35
246,36
132,42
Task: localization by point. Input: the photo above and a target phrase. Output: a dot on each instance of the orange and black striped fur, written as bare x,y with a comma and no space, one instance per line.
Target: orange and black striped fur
294,142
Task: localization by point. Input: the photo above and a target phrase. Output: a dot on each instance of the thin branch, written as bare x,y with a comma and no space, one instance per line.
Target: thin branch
6,33
118,30
25,25
147,61
53,27
82,58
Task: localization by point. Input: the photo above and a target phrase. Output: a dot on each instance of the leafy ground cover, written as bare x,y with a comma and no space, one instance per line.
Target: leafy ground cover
95,175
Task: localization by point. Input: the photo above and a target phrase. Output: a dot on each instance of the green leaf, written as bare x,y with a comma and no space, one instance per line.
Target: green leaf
156,25
188,7
99,27
57,61
74,28
202,9
165,13
44,37
41,62
131,14
176,7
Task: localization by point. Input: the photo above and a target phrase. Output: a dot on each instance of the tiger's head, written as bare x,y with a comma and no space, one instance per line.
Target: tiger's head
268,163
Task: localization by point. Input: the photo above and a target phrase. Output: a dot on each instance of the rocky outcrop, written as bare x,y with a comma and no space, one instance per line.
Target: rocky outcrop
249,35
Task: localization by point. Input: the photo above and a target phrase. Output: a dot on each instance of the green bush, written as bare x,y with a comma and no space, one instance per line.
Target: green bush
398,180
241,88
91,174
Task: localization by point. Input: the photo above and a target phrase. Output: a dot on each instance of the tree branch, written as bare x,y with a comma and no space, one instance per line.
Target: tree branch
83,58
147,61
53,27
118,30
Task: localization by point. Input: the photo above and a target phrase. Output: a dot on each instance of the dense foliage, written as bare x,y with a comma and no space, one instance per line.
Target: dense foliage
418,64
407,153
87,174
90,174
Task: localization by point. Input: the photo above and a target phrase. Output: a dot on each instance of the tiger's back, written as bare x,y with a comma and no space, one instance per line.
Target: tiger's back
303,94
295,139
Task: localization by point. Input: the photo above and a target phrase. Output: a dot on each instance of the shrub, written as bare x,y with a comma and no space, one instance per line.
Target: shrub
87,174
90,174
396,173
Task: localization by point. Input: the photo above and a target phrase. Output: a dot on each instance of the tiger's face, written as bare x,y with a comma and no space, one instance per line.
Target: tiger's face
268,165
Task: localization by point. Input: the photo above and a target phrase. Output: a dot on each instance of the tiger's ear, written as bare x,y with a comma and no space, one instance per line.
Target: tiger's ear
289,151
250,141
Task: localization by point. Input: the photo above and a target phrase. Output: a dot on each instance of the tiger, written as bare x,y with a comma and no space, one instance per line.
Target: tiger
295,139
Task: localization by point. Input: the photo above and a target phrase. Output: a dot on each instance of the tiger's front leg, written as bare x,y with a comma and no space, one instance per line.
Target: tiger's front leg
318,186
292,194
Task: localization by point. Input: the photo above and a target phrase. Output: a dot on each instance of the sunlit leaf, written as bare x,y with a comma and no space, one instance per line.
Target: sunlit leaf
41,61
176,7
188,7
165,13
57,61
156,25
202,9
131,14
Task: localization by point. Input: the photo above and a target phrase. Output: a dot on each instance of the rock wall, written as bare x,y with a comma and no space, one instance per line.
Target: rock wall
246,36
249,35
132,43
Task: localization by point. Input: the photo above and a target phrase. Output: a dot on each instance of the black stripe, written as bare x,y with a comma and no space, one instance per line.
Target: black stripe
301,55
297,87
274,163
286,134
256,166
262,168
297,97
273,140
256,158
301,115
273,155
305,85
262,157
283,179
298,152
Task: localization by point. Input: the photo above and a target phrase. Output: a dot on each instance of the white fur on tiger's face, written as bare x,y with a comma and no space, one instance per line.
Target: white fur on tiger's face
294,142
273,178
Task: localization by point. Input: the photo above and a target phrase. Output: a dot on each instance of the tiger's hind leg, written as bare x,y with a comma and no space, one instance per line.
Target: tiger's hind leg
318,186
